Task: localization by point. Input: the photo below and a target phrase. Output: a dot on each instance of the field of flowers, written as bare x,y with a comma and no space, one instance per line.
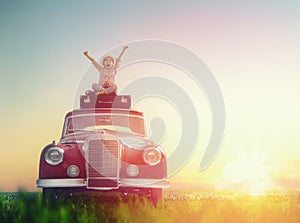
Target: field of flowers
177,206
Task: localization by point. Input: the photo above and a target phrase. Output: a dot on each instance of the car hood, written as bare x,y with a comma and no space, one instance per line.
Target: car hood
129,140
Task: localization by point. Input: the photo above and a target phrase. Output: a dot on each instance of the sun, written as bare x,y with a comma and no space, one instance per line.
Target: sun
249,173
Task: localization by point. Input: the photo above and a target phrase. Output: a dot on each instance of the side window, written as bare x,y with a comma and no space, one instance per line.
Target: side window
69,127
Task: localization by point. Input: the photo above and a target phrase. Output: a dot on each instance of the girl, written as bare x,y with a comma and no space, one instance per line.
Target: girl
107,71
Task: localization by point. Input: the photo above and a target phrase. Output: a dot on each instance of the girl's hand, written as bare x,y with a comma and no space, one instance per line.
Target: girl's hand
125,47
85,53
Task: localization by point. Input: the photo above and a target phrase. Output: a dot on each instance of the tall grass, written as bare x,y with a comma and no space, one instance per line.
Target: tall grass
177,207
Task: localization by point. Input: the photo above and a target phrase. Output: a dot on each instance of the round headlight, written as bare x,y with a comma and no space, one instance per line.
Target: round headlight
152,156
132,170
73,171
54,155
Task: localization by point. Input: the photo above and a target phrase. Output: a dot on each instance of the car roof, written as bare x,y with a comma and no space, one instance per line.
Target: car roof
104,110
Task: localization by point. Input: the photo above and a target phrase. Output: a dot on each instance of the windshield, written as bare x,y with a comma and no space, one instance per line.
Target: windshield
112,122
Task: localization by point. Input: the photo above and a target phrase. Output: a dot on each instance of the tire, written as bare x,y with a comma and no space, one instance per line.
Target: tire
156,195
52,196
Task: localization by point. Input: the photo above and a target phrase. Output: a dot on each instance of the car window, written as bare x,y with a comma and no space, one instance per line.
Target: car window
95,122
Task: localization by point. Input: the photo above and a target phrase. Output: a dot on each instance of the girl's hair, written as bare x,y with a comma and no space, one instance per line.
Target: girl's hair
107,56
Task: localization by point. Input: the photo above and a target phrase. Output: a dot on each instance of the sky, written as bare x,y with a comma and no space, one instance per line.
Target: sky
252,49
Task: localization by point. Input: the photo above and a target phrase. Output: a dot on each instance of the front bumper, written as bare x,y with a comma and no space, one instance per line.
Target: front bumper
127,182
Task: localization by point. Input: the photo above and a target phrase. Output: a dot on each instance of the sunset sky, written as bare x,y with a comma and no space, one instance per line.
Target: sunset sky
252,49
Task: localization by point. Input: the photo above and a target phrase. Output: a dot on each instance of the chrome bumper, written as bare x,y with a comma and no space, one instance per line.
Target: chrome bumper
129,182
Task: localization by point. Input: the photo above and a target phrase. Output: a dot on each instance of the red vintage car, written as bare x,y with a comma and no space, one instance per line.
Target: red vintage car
104,147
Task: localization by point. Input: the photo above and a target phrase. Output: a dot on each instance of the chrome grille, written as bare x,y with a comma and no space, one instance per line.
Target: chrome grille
102,158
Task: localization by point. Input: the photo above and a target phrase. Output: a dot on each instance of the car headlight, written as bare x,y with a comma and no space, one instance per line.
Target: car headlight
73,171
54,155
132,170
152,156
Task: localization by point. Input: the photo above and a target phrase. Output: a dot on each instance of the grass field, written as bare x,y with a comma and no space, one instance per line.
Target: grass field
204,207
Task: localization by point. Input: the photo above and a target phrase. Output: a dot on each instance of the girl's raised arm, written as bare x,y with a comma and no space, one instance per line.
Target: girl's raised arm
123,51
97,65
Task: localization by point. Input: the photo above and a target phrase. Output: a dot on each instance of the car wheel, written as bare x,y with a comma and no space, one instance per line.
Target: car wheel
156,195
52,195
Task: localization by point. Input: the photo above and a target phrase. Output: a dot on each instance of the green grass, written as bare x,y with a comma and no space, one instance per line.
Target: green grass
202,207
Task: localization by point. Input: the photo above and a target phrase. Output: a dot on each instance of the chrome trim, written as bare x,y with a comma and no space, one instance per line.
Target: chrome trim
61,183
127,182
77,171
106,113
145,155
105,109
116,159
102,188
149,183
71,141
132,167
48,159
